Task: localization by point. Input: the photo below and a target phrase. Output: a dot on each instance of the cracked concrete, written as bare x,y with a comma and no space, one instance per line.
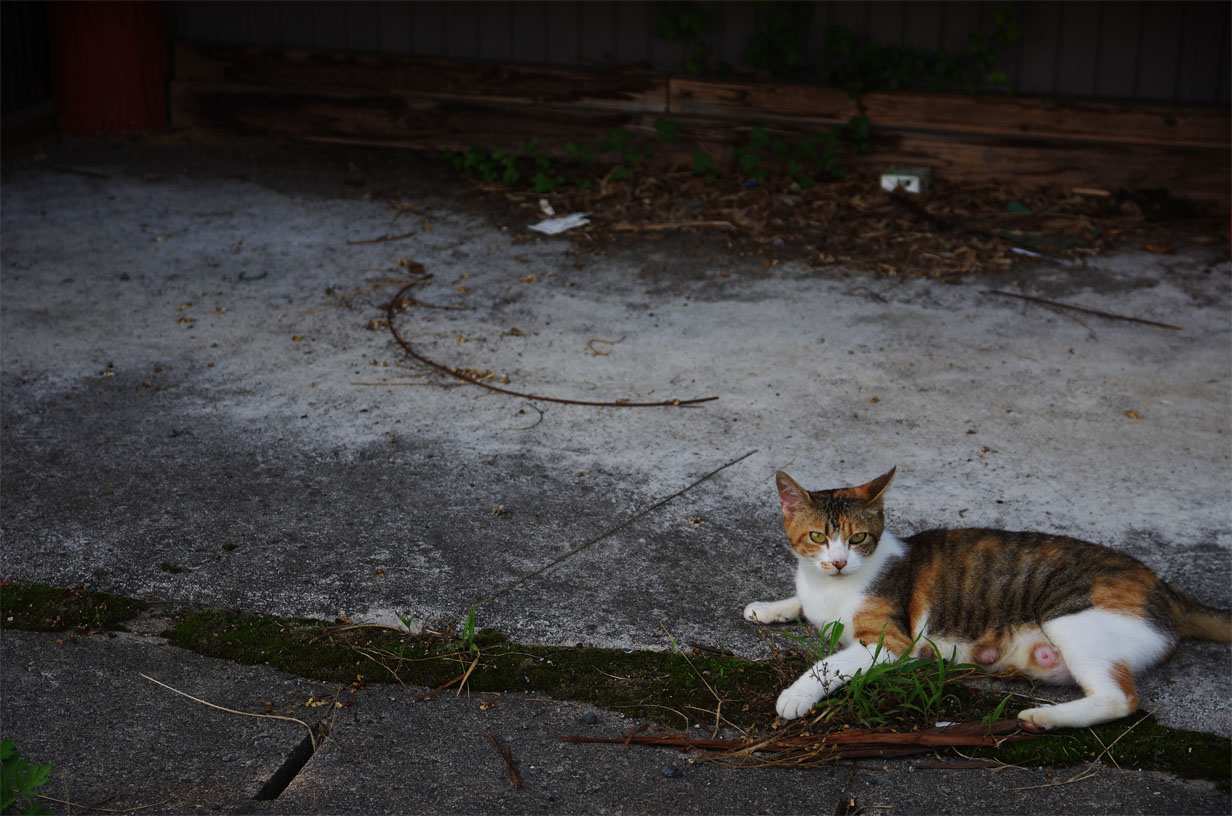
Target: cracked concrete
179,374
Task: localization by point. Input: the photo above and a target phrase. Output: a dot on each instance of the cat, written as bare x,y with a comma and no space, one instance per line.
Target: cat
1053,608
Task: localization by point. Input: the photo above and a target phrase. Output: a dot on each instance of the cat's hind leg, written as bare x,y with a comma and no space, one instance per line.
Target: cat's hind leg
1102,650
787,609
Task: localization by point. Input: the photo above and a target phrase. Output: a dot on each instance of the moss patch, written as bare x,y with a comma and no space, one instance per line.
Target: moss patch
666,686
1149,745
39,608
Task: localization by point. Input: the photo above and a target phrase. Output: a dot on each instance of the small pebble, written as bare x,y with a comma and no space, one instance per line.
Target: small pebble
671,771
589,718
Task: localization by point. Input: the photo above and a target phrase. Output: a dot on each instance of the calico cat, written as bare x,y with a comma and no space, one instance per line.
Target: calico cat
1053,608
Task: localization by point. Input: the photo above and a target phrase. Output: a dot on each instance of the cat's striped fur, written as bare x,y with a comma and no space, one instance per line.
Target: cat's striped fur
1050,607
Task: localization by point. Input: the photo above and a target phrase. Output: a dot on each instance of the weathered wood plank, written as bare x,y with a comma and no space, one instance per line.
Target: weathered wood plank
751,100
499,83
383,119
951,113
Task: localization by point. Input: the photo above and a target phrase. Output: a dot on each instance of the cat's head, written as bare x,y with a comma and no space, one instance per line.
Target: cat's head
836,530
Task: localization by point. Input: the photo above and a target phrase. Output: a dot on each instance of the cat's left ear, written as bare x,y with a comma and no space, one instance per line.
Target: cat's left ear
873,491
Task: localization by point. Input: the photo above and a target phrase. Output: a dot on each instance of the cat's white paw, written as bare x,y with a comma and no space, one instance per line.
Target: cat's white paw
797,700
759,612
772,611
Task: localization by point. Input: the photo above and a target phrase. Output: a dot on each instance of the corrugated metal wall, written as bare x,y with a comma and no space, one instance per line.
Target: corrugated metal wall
1151,51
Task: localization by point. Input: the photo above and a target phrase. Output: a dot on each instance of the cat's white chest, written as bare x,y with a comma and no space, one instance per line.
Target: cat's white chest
824,597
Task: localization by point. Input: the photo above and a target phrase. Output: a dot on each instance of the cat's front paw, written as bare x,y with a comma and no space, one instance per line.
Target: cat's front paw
772,611
796,701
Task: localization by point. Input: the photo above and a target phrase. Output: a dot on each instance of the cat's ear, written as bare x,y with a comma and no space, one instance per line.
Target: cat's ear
873,491
792,497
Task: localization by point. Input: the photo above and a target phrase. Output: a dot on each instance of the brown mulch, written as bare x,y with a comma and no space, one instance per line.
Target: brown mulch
945,233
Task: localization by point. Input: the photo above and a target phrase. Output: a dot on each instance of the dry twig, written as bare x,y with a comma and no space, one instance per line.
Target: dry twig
507,755
383,239
390,310
1083,309
311,736
72,805
610,531
808,749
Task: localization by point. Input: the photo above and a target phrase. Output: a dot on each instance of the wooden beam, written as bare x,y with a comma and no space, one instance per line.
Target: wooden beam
1075,120
473,81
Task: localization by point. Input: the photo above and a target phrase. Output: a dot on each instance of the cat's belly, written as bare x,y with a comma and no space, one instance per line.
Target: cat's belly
1022,649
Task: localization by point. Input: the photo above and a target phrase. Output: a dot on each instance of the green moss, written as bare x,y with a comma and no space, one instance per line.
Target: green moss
638,682
1148,745
39,608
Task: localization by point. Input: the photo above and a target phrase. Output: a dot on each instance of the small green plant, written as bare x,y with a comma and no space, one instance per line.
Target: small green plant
823,644
579,153
703,165
804,161
468,632
668,130
19,779
994,715
615,140
859,133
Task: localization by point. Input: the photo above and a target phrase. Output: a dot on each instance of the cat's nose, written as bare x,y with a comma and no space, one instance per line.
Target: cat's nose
839,563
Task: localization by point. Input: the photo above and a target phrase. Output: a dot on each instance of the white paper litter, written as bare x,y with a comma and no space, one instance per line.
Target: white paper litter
553,226
545,207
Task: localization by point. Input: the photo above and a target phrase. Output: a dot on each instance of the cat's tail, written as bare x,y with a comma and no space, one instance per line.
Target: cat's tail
1195,619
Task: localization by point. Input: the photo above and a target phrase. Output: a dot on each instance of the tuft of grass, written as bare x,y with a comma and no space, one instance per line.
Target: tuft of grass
40,608
904,692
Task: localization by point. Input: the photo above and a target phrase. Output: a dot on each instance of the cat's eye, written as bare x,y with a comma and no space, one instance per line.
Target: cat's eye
817,537
857,538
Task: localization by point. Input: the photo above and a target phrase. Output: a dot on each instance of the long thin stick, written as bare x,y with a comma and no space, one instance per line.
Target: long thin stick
1082,309
391,309
383,239
104,809
609,532
311,737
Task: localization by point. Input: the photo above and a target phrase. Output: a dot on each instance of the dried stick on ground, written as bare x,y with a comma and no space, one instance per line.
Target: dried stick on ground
391,311
822,748
1083,309
312,739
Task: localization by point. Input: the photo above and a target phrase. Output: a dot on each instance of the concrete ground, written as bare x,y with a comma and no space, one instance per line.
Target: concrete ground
200,405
